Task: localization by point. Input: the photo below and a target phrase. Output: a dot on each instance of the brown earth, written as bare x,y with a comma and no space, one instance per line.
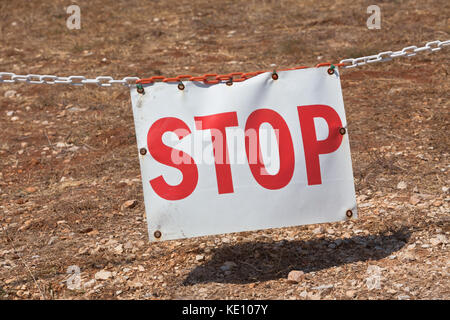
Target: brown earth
69,160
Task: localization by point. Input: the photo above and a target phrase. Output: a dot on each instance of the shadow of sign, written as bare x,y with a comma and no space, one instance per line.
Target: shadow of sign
261,261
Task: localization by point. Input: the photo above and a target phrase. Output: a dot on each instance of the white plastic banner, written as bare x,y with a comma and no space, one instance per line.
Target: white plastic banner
256,154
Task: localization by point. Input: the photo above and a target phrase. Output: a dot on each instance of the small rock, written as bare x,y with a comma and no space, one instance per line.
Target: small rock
118,249
437,203
135,284
128,245
103,275
438,240
401,185
74,109
89,284
31,189
10,93
226,240
323,287
111,242
295,276
391,291
93,232
130,204
26,225
141,268
228,265
199,257
99,286
83,250
414,200
350,294
409,256
52,240
304,294
442,238
86,230
362,197
445,189
313,295
73,149
403,297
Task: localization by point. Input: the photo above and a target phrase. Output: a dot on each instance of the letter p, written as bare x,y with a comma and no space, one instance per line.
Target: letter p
312,147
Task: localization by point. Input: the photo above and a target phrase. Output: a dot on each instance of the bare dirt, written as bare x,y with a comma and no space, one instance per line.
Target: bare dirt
69,161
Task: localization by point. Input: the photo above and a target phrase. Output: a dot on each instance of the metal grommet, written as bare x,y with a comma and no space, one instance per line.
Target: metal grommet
229,82
331,70
157,234
349,213
274,75
181,86
143,151
140,89
342,131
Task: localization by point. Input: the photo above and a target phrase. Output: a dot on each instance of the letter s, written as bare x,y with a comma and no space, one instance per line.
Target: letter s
163,154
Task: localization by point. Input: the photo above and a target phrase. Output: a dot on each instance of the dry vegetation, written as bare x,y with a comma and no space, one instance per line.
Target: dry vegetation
69,159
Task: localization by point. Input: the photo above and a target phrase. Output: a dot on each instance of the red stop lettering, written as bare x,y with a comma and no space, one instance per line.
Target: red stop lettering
163,154
311,146
217,123
285,149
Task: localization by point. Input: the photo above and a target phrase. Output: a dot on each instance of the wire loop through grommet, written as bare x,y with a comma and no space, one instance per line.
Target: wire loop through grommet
274,75
331,70
140,89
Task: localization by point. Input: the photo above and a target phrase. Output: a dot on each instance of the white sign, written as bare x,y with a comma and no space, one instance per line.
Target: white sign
256,154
